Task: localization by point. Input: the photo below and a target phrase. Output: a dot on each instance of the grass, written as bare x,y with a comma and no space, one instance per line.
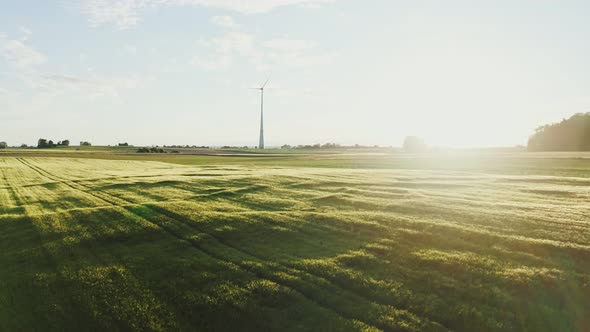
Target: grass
332,242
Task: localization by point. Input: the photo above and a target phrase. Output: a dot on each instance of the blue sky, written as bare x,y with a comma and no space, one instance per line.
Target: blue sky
457,73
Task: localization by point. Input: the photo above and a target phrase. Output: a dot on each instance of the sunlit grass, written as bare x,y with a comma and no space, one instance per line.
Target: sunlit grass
97,244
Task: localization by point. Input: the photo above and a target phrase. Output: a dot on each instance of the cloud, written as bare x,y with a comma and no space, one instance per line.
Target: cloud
70,80
124,13
127,13
23,61
18,55
130,49
288,45
90,88
50,92
234,46
211,64
225,22
26,32
222,50
235,42
5,96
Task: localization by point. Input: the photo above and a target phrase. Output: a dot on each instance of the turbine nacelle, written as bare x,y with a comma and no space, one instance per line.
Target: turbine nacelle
262,87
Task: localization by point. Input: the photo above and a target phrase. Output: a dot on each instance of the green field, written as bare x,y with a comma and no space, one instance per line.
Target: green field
117,241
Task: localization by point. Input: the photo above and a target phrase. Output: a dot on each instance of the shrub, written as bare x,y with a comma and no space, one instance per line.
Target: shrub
414,144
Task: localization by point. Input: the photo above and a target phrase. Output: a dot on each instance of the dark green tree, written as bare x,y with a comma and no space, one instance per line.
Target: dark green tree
42,143
571,134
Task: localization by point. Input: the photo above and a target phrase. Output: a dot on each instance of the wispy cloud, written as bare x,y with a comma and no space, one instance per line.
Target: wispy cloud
5,96
90,88
70,80
26,33
221,51
123,13
18,55
288,45
23,61
211,64
225,22
127,13
233,46
130,49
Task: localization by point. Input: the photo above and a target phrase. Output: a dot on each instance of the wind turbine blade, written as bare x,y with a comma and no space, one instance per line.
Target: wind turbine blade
263,85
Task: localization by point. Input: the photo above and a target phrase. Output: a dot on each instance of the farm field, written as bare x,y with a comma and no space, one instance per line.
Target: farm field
346,243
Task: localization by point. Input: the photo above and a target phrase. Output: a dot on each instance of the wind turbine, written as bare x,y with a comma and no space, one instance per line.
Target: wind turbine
261,138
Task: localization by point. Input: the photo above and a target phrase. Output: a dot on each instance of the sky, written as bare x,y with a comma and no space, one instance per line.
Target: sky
457,73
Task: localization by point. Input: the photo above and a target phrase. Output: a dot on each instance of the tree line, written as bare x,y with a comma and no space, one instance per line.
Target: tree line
571,134
43,143
318,146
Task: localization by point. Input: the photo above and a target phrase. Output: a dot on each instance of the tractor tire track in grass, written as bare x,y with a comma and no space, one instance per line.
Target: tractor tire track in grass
476,255
169,224
316,283
133,291
19,204
346,301
311,287
50,263
150,214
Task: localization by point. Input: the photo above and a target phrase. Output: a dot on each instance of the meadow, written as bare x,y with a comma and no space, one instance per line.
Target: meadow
105,240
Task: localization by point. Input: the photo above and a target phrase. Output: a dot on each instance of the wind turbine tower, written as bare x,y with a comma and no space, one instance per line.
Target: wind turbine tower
261,138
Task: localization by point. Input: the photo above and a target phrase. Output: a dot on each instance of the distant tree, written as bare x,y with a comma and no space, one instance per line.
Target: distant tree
50,144
42,143
24,146
3,145
151,150
286,146
330,146
84,143
571,134
124,144
414,144
65,142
